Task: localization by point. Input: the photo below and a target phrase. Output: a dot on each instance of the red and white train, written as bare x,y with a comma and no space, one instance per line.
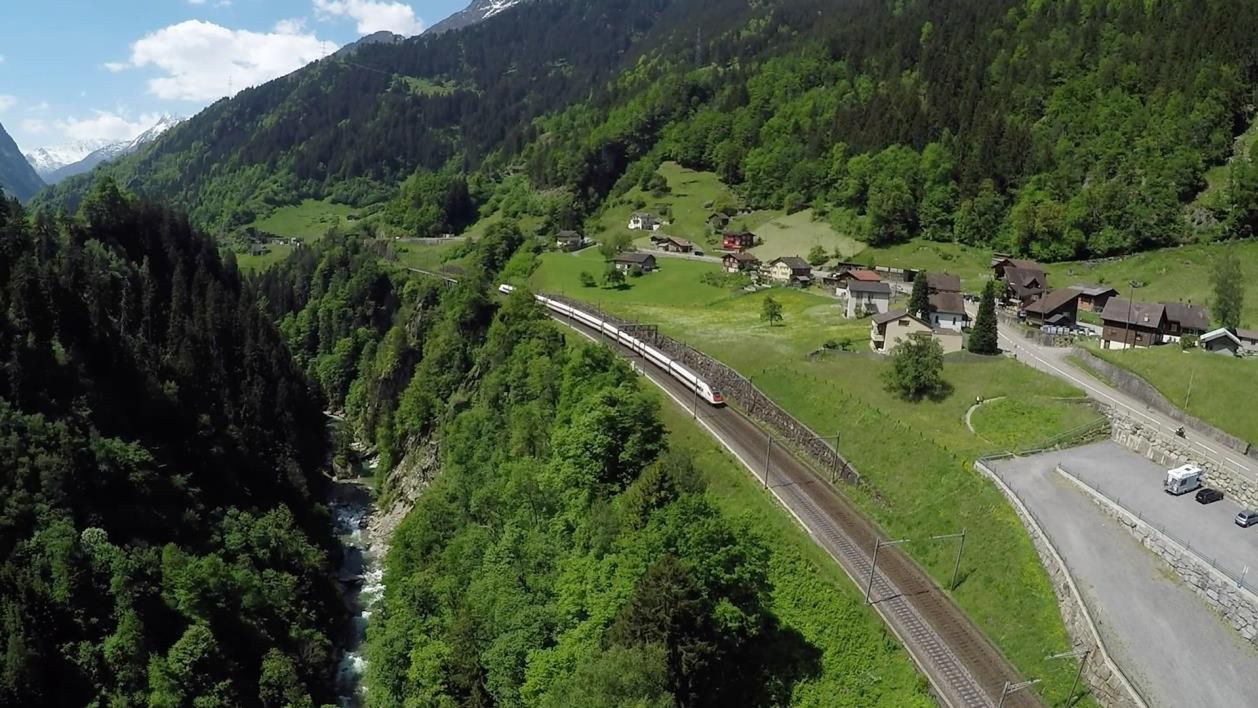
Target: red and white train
648,352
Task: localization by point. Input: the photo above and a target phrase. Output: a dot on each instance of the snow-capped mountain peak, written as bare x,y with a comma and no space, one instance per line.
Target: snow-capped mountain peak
47,160
477,11
53,171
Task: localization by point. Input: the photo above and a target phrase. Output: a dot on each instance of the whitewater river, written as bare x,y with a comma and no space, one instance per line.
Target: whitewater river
361,574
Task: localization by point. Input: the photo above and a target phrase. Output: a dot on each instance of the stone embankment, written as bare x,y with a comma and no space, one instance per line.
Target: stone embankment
1236,603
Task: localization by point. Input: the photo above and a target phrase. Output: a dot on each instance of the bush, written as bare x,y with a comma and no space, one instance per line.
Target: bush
587,280
1188,341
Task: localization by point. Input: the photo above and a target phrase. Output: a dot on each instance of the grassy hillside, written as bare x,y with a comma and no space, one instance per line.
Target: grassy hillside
309,220
1215,388
936,492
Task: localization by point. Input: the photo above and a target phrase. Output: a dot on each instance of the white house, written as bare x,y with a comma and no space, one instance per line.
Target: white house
890,328
641,221
947,311
861,299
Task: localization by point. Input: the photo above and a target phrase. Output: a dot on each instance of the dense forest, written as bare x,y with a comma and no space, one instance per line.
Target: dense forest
163,536
562,555
1057,130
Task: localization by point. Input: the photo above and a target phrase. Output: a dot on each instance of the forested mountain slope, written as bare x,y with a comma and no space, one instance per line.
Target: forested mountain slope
17,177
1059,130
162,537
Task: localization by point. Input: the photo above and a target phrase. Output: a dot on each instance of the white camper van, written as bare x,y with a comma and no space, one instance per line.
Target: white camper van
1184,478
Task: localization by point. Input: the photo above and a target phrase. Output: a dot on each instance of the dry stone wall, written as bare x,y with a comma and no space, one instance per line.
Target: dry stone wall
1108,683
1237,604
1170,451
1143,391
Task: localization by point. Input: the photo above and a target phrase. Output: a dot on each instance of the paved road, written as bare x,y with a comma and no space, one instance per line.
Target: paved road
1053,360
963,667
1135,484
1168,642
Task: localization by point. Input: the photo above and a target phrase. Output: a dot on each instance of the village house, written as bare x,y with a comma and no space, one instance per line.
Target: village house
1185,319
863,298
1059,308
675,244
1092,298
1024,281
942,283
791,270
1221,341
738,240
642,221
1132,324
568,241
947,311
739,262
890,328
628,261
717,222
844,278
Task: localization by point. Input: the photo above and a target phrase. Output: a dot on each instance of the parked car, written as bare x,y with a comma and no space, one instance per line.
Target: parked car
1247,518
1208,496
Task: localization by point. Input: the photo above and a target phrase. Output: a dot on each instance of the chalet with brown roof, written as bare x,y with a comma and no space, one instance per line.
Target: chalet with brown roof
631,260
738,240
1059,308
947,311
739,262
717,222
942,283
1092,298
568,241
791,270
1132,324
1184,318
889,329
676,244
850,275
1025,281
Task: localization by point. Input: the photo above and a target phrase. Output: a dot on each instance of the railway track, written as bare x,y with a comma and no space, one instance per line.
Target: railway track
965,670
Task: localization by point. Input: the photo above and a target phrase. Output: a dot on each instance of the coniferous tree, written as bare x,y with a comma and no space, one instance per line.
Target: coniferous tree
919,300
983,337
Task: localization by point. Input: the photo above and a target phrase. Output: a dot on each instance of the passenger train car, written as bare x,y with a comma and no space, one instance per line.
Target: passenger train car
648,352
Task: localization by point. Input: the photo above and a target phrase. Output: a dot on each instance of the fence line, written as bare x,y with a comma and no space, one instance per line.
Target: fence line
741,392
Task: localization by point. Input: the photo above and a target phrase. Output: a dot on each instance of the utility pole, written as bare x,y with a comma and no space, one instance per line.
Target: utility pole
1082,656
873,565
956,565
1012,688
768,450
1192,373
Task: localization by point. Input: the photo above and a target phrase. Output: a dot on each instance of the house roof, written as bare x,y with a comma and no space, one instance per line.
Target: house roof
1220,333
1188,315
679,241
1026,277
860,286
1144,314
861,274
1247,335
1020,263
792,262
1053,301
743,256
947,303
567,235
894,315
1095,290
643,215
633,257
943,282
729,234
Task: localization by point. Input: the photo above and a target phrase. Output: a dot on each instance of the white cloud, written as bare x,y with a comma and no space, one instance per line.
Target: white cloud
201,60
291,26
373,15
38,107
34,126
106,125
7,102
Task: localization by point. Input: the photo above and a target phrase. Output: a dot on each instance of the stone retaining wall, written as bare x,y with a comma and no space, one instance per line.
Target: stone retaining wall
1108,683
1237,604
1171,451
1143,391
740,392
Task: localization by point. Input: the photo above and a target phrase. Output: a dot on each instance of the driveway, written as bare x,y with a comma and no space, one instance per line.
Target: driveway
1168,642
1053,361
1135,484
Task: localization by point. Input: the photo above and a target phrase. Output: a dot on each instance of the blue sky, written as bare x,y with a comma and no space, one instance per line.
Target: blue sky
106,69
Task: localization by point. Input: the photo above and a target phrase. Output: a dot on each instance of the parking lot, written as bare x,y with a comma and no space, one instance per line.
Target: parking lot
1175,649
1135,484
